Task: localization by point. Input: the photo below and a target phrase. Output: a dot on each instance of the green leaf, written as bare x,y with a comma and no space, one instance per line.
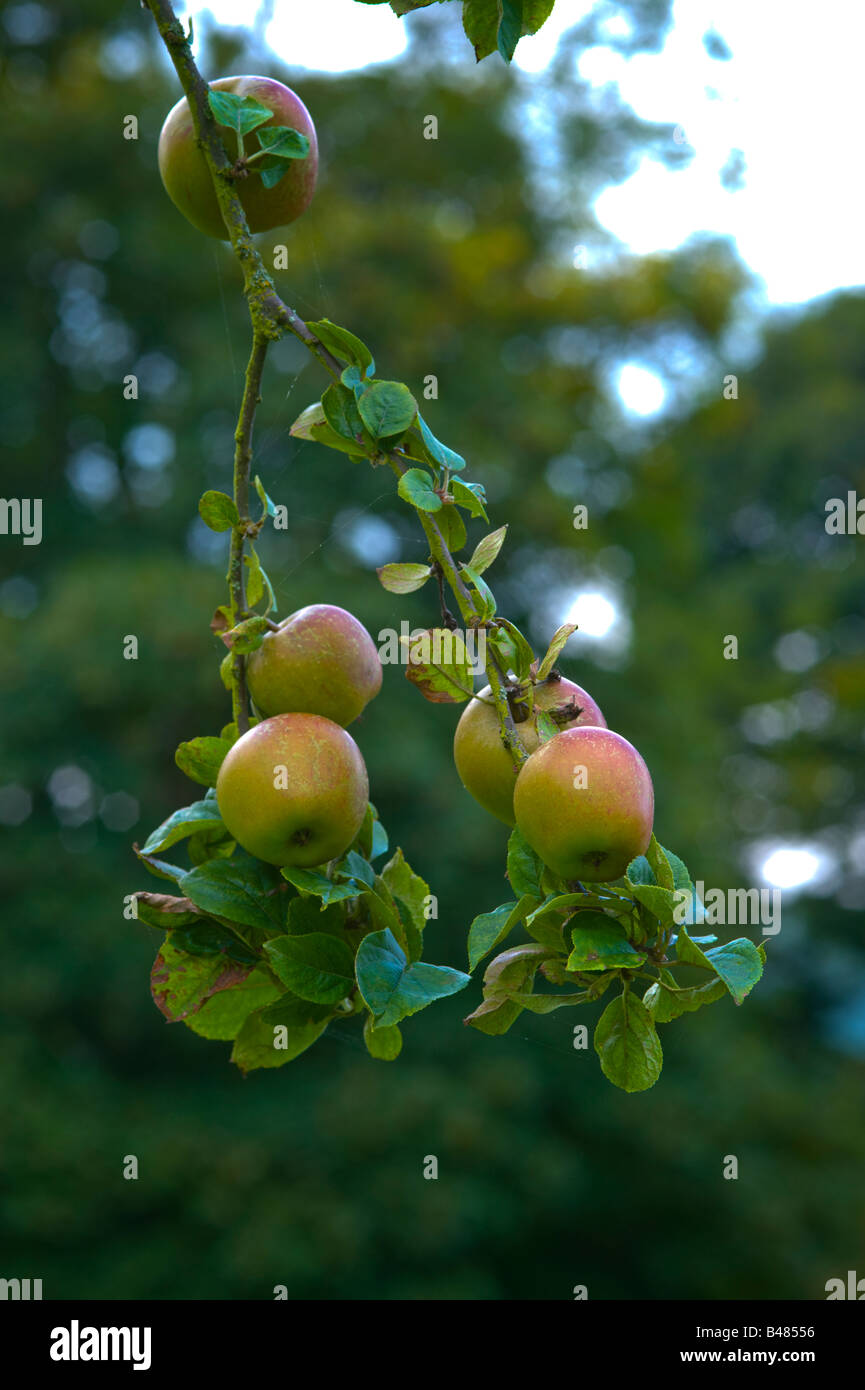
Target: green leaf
391,988
401,7
323,434
272,171
664,1005
495,1015
498,24
403,579
640,871
306,915
355,867
246,636
438,663
600,943
681,876
481,24
510,974
546,726
210,844
548,1003
165,911
371,840
488,930
452,527
535,14
407,887
226,671
383,1043
739,965
487,550
343,345
267,503
223,1015
261,1041
689,953
308,420
317,967
661,902
512,648
514,968
257,583
319,886
416,487
510,28
254,580
471,496
387,408
660,866
524,867
384,913
201,759
695,912
379,840
160,868
218,511
484,594
206,937
439,453
551,656
282,142
180,983
312,424
628,1045
547,927
242,889
561,903
341,412
201,815
243,114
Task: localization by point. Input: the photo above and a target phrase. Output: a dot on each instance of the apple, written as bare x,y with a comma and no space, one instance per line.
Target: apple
294,790
484,764
584,801
320,660
186,175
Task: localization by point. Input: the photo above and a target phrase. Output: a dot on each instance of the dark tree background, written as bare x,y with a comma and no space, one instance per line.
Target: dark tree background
446,256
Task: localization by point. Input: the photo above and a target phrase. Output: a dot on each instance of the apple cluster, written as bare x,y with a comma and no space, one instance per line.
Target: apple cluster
583,799
293,790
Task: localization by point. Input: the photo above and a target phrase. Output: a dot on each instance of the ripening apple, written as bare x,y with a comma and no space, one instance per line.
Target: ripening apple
294,790
320,660
484,764
584,801
187,178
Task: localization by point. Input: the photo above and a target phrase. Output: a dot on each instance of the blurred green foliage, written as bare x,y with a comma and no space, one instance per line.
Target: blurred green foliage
447,255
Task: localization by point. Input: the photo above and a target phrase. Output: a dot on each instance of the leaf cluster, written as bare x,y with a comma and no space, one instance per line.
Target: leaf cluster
585,940
266,958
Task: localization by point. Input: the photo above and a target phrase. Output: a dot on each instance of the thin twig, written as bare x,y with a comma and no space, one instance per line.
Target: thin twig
242,464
